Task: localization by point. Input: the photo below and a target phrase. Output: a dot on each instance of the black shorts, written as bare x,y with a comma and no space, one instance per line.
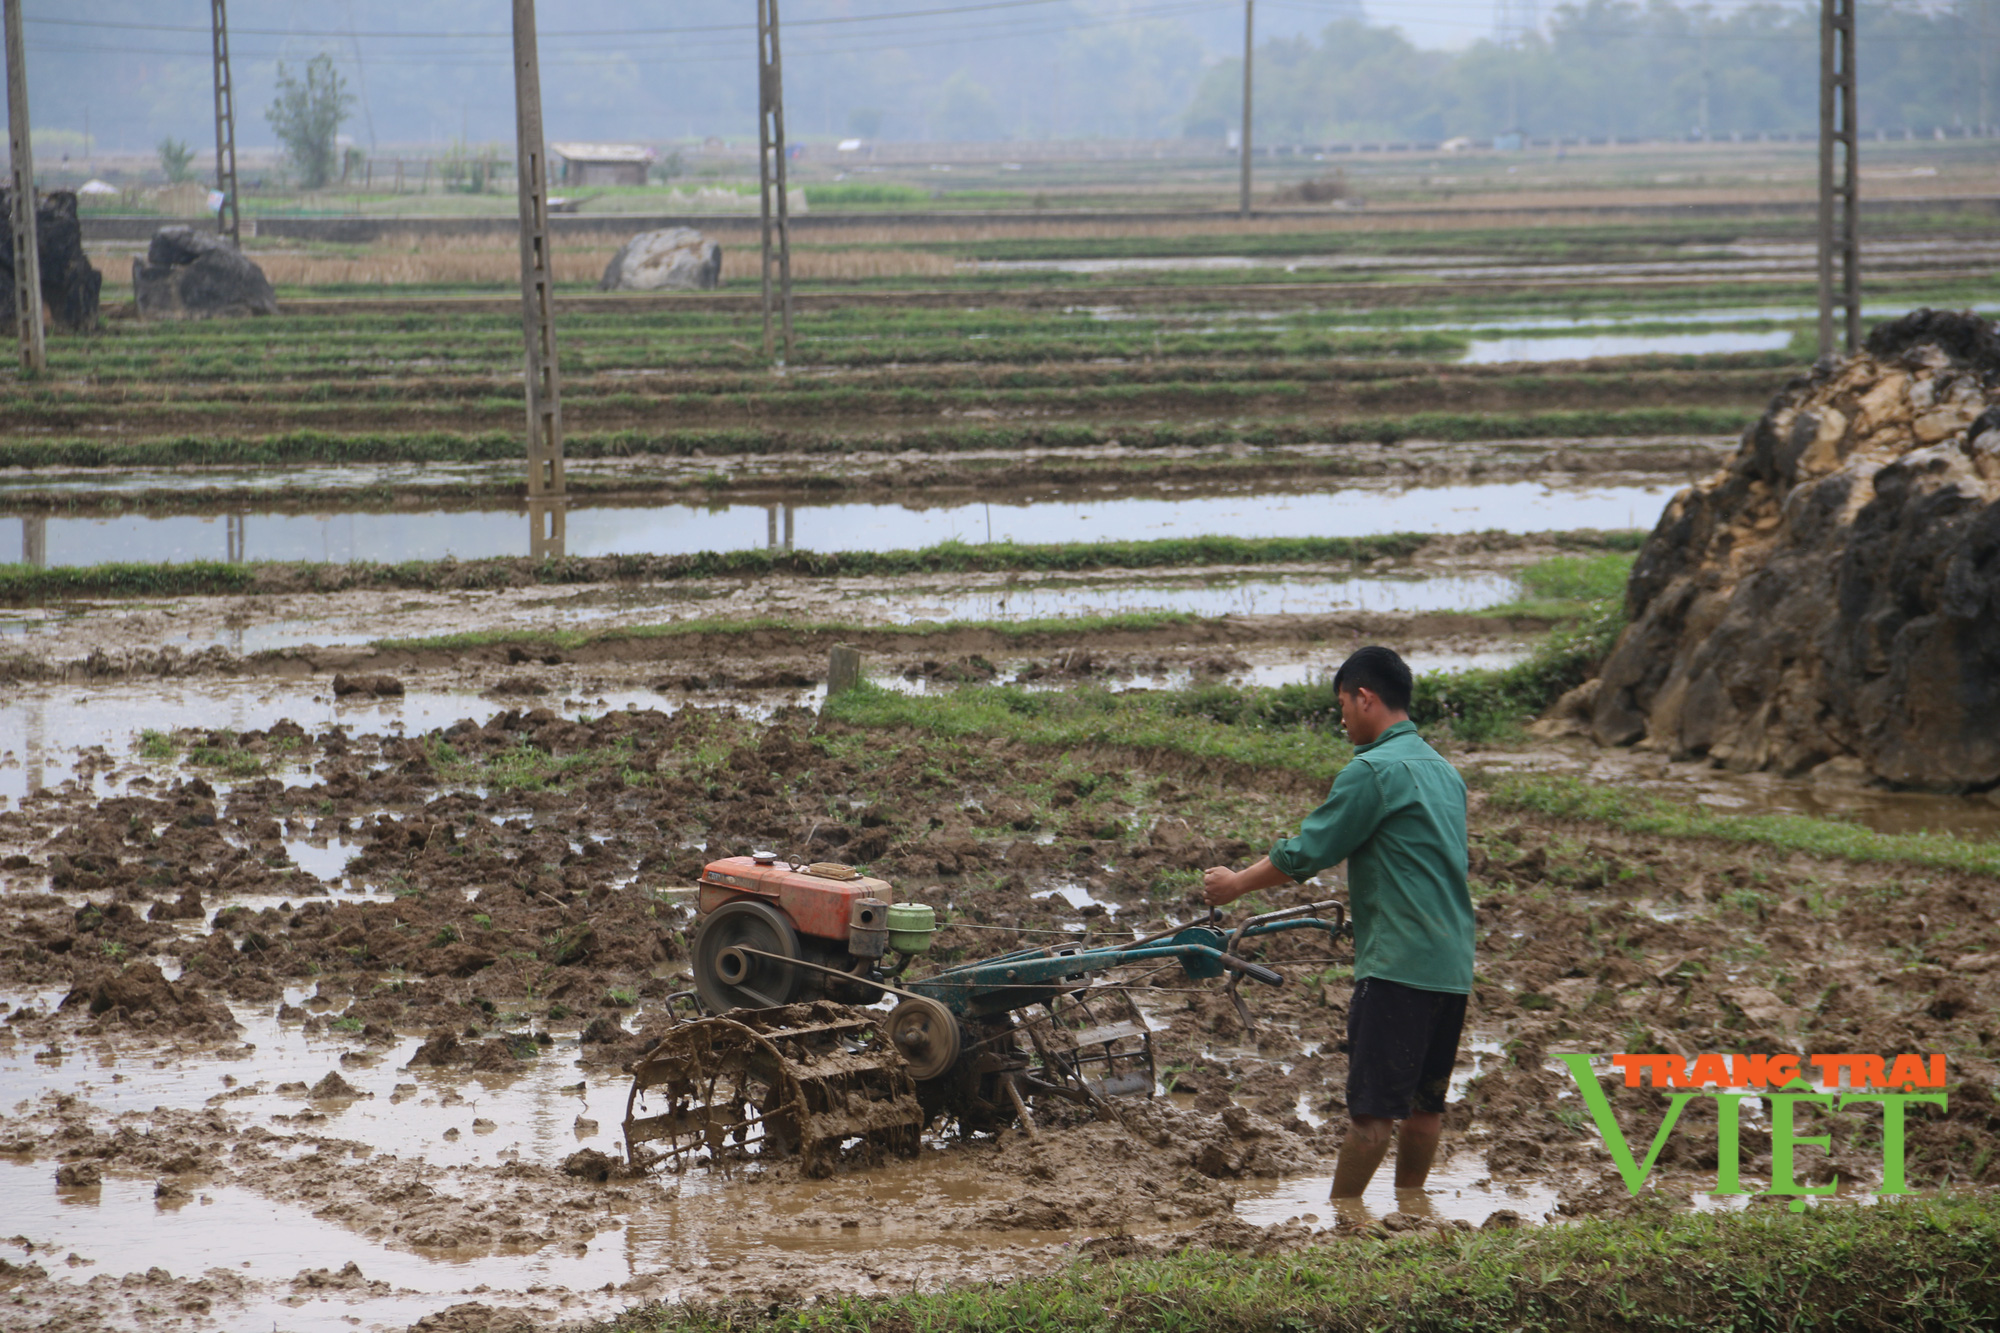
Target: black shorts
1402,1043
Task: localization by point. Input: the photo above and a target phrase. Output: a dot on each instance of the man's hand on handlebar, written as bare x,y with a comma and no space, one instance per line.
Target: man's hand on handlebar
1220,885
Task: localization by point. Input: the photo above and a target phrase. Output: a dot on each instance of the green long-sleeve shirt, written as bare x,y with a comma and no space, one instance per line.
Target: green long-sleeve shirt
1396,815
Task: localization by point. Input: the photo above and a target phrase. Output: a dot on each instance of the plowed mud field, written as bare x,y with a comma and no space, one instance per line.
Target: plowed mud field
356,983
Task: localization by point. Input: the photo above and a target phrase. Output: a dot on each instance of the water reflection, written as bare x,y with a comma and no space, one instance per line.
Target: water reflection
548,528
1493,351
1353,510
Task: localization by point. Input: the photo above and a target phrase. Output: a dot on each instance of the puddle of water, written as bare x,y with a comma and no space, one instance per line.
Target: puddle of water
1352,511
1490,351
1453,1192
120,1229
1311,667
325,860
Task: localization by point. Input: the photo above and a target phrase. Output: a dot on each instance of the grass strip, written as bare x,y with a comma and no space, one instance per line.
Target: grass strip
1092,716
1638,812
20,583
1918,1264
317,446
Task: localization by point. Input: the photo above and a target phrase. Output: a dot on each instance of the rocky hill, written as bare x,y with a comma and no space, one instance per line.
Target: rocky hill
1833,593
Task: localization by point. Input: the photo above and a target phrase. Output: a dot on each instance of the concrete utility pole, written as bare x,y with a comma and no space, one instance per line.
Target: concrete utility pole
228,219
547,497
771,168
1243,190
27,248
1838,125
1707,72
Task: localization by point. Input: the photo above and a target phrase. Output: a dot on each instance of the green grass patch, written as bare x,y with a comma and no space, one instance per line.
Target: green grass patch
1579,578
29,583
1094,717
1638,812
522,768
1568,587
849,194
1485,705
1919,1264
221,753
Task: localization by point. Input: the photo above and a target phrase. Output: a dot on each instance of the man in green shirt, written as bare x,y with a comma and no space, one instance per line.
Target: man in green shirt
1396,815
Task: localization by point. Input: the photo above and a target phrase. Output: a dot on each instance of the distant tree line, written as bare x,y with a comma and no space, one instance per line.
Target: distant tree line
1068,69
1610,67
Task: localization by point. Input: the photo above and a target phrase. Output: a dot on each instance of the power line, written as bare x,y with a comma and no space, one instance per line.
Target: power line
838,20
678,52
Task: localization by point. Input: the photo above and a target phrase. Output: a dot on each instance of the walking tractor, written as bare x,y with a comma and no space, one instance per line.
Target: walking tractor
799,1050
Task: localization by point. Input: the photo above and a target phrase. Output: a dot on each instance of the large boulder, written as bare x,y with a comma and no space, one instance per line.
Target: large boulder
672,259
189,274
1833,593
70,286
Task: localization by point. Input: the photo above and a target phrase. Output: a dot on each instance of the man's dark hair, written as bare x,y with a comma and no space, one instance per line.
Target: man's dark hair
1379,669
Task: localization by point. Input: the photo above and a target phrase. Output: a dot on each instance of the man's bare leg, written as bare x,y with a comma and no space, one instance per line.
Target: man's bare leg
1366,1144
1416,1148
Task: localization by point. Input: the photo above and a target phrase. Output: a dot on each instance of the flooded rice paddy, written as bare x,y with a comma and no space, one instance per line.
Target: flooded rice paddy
1352,510
243,1170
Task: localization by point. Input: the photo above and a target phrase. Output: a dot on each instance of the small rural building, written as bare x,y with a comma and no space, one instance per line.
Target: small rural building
601,163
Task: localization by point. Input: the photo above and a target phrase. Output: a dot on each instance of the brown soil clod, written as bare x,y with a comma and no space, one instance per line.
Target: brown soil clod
139,995
380,686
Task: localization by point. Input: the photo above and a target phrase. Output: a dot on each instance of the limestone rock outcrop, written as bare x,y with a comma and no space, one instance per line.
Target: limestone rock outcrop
70,286
672,259
189,274
1833,593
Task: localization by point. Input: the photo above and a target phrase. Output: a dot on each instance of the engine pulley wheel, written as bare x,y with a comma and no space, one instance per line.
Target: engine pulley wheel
926,1033
728,975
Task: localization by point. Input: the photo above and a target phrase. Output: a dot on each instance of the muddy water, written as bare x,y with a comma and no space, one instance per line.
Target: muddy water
1358,509
670,1236
121,1227
46,732
358,617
